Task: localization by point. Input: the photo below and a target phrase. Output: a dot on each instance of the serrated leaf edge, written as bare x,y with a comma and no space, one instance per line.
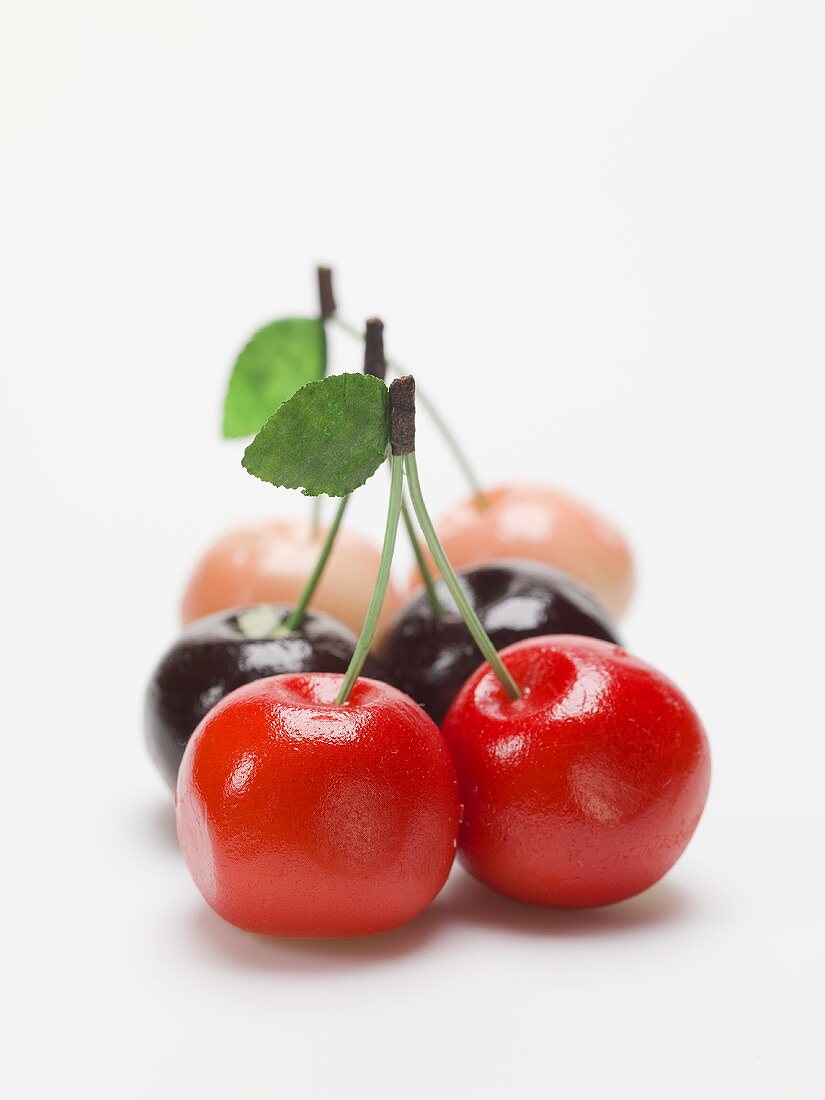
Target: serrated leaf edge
307,492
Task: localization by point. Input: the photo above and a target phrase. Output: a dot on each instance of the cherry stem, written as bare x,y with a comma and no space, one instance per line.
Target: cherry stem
326,309
471,619
382,579
296,615
437,419
326,295
421,561
375,363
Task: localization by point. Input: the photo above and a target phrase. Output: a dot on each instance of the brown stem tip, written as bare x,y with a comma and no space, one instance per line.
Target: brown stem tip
326,296
374,360
402,415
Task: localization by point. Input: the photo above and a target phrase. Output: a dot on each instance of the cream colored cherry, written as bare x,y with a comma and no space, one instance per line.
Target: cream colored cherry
270,562
533,521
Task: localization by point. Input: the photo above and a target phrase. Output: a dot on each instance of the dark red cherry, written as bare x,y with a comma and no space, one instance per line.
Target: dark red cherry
430,658
219,653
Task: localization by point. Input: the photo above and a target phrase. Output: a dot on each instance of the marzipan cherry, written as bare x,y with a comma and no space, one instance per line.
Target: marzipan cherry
430,656
270,562
587,788
300,816
533,521
217,654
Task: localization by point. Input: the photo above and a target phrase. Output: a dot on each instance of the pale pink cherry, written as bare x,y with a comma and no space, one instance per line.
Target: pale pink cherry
534,521
270,563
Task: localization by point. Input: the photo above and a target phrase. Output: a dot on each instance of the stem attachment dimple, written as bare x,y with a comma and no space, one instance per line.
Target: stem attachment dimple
468,614
370,626
374,361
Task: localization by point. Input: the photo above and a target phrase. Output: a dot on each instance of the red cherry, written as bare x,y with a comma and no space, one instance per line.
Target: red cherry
533,521
587,789
301,817
270,563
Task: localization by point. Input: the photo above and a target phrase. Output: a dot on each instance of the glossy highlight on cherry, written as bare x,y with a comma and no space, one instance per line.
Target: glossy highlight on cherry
215,655
587,789
269,563
429,655
315,794
542,524
301,817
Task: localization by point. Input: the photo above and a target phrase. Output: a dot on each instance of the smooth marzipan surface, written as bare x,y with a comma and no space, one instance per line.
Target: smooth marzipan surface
270,562
430,658
596,234
587,789
536,521
213,657
300,817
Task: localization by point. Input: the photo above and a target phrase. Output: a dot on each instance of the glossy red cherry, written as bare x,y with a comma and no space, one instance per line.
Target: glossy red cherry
430,658
301,817
534,521
270,563
215,655
587,789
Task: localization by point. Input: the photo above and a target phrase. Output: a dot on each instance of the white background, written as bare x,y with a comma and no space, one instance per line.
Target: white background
610,216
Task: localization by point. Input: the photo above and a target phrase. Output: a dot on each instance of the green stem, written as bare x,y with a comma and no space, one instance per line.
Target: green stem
296,615
451,441
480,636
326,308
324,348
423,566
347,327
381,581
437,419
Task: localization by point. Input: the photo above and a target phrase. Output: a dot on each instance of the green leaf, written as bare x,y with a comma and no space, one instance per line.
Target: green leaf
328,438
279,359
